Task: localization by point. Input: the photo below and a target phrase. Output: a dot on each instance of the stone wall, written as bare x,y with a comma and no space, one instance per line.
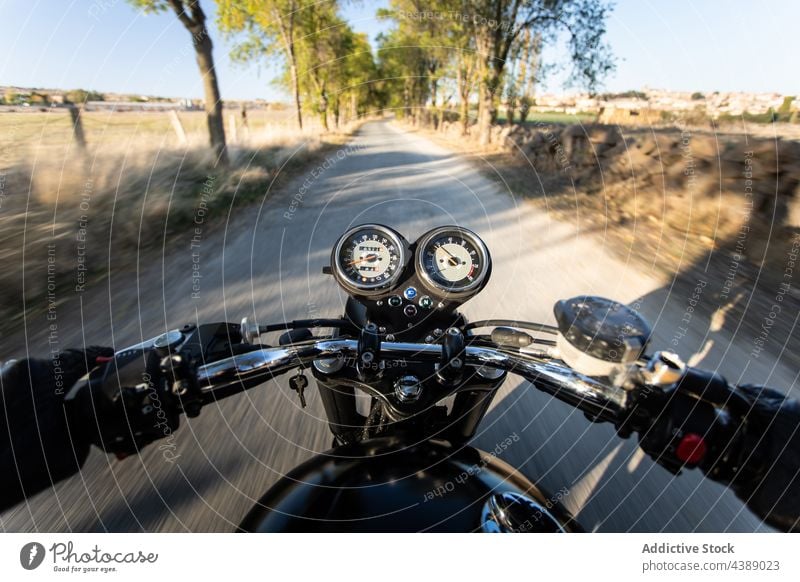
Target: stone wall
675,160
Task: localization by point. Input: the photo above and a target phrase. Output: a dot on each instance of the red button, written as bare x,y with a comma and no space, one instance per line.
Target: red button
692,449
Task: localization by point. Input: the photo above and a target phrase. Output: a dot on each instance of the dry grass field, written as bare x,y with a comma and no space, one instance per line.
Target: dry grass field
135,179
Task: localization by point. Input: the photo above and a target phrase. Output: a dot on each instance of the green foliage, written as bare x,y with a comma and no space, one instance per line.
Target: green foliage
333,64
769,117
11,97
442,48
420,57
697,96
625,95
696,117
150,6
38,98
82,96
784,113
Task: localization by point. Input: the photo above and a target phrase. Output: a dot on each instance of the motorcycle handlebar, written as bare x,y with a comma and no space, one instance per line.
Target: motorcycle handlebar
242,371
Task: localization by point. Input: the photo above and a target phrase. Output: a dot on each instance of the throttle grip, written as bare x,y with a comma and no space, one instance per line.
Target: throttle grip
688,425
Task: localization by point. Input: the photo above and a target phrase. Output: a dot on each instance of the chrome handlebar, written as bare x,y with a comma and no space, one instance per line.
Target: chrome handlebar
240,372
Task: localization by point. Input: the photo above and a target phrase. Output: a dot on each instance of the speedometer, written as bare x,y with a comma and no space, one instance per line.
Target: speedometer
453,260
368,258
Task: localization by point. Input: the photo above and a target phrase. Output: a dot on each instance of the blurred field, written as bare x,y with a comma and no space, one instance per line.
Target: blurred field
134,185
25,133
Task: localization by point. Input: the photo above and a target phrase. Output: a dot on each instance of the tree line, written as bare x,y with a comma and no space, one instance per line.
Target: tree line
444,55
438,59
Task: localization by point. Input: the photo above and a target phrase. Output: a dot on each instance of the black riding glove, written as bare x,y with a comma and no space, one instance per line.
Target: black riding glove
37,447
769,454
747,438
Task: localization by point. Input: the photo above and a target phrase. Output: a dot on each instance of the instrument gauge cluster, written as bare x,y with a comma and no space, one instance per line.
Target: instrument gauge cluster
400,284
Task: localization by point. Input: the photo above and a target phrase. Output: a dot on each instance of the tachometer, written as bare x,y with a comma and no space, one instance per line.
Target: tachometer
368,258
453,260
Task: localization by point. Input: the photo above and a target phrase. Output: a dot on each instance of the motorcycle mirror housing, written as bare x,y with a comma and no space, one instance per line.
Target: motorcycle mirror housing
598,336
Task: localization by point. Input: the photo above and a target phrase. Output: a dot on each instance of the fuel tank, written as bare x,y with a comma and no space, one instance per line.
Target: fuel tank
389,485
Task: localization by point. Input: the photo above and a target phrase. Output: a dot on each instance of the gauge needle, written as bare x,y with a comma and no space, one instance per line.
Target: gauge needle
454,261
362,259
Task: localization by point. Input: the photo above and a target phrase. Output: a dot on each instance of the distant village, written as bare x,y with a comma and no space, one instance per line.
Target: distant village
662,103
21,98
647,105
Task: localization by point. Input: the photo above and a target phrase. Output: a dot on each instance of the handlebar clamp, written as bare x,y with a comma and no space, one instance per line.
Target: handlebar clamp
451,367
369,350
182,376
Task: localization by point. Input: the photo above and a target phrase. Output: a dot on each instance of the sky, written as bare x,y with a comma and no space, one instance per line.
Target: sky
106,45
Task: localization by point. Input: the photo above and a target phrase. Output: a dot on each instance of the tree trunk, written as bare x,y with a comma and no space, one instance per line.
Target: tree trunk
296,89
524,109
434,97
486,113
336,112
488,94
213,100
323,113
463,95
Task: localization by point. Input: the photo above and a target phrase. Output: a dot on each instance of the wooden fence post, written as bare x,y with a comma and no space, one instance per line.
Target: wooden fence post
75,113
232,128
178,127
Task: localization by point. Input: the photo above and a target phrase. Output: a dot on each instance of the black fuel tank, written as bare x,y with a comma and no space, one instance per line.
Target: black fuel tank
387,485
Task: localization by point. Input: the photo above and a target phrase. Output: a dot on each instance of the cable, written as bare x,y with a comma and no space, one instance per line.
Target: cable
340,323
540,327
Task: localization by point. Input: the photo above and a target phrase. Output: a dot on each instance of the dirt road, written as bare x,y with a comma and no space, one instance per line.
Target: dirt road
267,263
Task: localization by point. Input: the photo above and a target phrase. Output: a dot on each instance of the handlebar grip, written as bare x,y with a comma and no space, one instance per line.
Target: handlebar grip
125,404
689,425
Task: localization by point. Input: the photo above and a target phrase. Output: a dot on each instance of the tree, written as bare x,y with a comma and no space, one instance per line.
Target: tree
191,15
322,51
404,70
530,72
80,96
11,97
353,73
38,98
489,30
417,52
269,26
496,25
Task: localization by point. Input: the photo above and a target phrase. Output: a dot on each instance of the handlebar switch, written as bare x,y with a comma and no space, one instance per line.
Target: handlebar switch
691,449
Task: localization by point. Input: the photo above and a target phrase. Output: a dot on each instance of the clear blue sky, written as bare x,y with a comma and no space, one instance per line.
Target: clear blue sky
106,45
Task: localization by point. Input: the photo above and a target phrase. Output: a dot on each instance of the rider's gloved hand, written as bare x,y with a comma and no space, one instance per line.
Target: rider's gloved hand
767,455
37,447
753,446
